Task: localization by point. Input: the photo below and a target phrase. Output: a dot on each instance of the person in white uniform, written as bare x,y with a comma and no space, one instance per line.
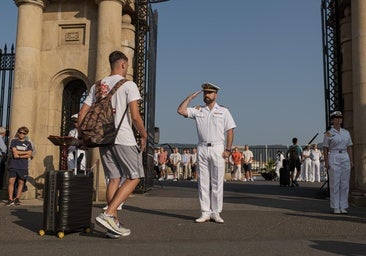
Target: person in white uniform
215,129
75,155
315,156
338,160
306,164
279,160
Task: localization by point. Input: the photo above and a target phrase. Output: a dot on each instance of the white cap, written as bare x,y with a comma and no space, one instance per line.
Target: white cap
210,87
336,114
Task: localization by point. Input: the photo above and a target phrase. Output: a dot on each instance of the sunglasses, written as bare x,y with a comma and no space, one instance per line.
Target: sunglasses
25,133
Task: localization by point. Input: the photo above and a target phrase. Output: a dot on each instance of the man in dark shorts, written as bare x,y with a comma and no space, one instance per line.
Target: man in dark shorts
294,154
21,150
247,164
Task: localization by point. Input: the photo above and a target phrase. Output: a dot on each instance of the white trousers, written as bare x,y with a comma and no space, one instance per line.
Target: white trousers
339,175
237,172
278,167
315,166
306,170
211,171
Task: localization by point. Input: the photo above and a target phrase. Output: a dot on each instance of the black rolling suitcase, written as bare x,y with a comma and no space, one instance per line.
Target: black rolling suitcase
285,173
67,205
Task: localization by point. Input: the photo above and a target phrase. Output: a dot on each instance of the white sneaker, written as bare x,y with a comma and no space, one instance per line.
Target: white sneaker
204,217
344,211
217,218
336,211
108,221
244,179
160,179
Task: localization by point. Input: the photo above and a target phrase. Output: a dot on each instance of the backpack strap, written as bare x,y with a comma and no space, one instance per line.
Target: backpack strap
116,87
111,92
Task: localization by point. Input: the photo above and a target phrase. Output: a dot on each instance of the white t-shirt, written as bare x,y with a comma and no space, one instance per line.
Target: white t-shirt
127,93
248,156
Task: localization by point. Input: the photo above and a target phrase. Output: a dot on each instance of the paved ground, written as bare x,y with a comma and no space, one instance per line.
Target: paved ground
261,218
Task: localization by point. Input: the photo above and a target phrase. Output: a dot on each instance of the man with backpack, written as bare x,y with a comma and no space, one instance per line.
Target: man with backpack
124,157
294,154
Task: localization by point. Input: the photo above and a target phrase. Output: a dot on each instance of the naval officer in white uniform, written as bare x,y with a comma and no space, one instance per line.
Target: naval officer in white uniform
338,159
215,129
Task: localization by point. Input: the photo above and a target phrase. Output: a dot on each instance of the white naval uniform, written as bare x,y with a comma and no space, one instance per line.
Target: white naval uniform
279,165
306,166
315,164
212,126
74,153
339,166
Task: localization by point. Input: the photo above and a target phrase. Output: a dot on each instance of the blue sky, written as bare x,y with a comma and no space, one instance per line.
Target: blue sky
265,55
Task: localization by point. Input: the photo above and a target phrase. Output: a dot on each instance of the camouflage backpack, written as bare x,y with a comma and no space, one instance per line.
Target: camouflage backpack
97,128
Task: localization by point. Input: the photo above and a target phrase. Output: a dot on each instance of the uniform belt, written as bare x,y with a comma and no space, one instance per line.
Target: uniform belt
210,144
338,151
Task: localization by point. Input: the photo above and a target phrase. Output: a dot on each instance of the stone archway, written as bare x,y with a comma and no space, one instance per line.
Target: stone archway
73,86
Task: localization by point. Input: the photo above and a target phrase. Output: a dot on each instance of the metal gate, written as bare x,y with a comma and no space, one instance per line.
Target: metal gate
7,62
331,58
145,78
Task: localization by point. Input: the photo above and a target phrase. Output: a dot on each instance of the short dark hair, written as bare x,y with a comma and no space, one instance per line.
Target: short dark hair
23,129
294,140
116,56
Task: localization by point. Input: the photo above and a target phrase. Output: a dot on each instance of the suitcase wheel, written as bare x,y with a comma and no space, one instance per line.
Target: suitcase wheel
41,232
60,234
87,230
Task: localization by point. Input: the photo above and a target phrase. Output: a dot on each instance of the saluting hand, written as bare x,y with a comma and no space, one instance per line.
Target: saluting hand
194,95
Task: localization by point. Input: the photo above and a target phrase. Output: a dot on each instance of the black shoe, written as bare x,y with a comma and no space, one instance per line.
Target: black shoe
17,201
10,203
296,183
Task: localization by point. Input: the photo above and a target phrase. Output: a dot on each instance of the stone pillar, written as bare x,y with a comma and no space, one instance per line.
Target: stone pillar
27,61
358,8
27,72
109,33
347,85
128,42
108,40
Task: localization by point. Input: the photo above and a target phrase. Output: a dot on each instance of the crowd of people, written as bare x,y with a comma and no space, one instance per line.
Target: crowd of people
310,165
183,166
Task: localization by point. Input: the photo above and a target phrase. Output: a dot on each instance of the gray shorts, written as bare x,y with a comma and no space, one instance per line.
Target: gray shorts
122,161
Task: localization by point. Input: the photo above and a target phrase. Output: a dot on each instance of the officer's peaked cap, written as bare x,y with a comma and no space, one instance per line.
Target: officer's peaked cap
210,87
336,114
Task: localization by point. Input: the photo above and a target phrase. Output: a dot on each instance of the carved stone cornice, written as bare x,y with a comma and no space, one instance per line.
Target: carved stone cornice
40,3
123,2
